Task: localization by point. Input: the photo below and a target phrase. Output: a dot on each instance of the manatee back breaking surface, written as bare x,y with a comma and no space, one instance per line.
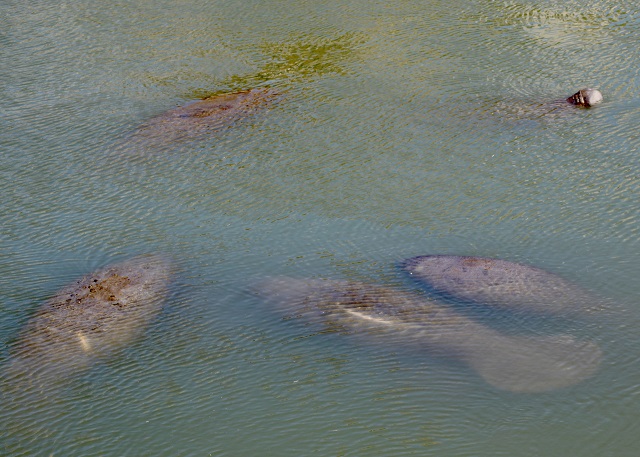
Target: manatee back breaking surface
201,116
514,363
500,283
92,317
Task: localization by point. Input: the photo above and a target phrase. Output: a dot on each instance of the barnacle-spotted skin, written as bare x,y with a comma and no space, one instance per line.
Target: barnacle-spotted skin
392,316
92,318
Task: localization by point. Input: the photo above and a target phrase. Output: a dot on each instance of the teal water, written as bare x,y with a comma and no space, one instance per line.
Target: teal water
405,128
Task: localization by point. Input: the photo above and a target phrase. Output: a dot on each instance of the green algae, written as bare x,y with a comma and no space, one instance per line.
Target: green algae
300,58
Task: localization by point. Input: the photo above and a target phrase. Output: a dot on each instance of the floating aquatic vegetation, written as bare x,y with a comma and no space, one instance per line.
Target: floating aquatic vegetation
212,111
304,57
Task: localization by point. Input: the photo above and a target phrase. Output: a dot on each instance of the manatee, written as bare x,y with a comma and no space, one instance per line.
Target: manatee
586,97
503,284
513,363
209,114
91,318
530,107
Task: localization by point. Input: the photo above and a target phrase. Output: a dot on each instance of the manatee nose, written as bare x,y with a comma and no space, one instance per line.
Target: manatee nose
586,97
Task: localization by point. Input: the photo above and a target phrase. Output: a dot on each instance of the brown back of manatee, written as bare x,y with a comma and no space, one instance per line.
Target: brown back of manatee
201,116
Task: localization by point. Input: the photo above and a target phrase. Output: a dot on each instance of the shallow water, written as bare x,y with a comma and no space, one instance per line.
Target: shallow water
405,128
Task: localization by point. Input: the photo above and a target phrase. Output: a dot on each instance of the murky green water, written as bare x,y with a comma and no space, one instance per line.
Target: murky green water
404,128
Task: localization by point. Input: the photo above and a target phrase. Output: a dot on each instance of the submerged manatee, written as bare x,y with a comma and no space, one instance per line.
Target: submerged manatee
91,318
541,110
512,363
201,116
501,283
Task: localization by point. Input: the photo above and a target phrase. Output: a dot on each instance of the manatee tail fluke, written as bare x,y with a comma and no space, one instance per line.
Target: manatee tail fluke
538,364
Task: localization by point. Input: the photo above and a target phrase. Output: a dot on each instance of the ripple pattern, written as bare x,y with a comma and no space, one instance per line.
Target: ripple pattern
406,128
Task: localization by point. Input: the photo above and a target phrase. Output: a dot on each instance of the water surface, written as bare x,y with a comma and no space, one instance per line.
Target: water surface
405,128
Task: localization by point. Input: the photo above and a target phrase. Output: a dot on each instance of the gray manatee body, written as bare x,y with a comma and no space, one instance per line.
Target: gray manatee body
206,115
91,318
501,283
513,363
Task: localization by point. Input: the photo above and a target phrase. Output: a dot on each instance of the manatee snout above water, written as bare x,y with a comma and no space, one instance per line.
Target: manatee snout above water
586,97
514,363
201,116
546,110
500,283
91,318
